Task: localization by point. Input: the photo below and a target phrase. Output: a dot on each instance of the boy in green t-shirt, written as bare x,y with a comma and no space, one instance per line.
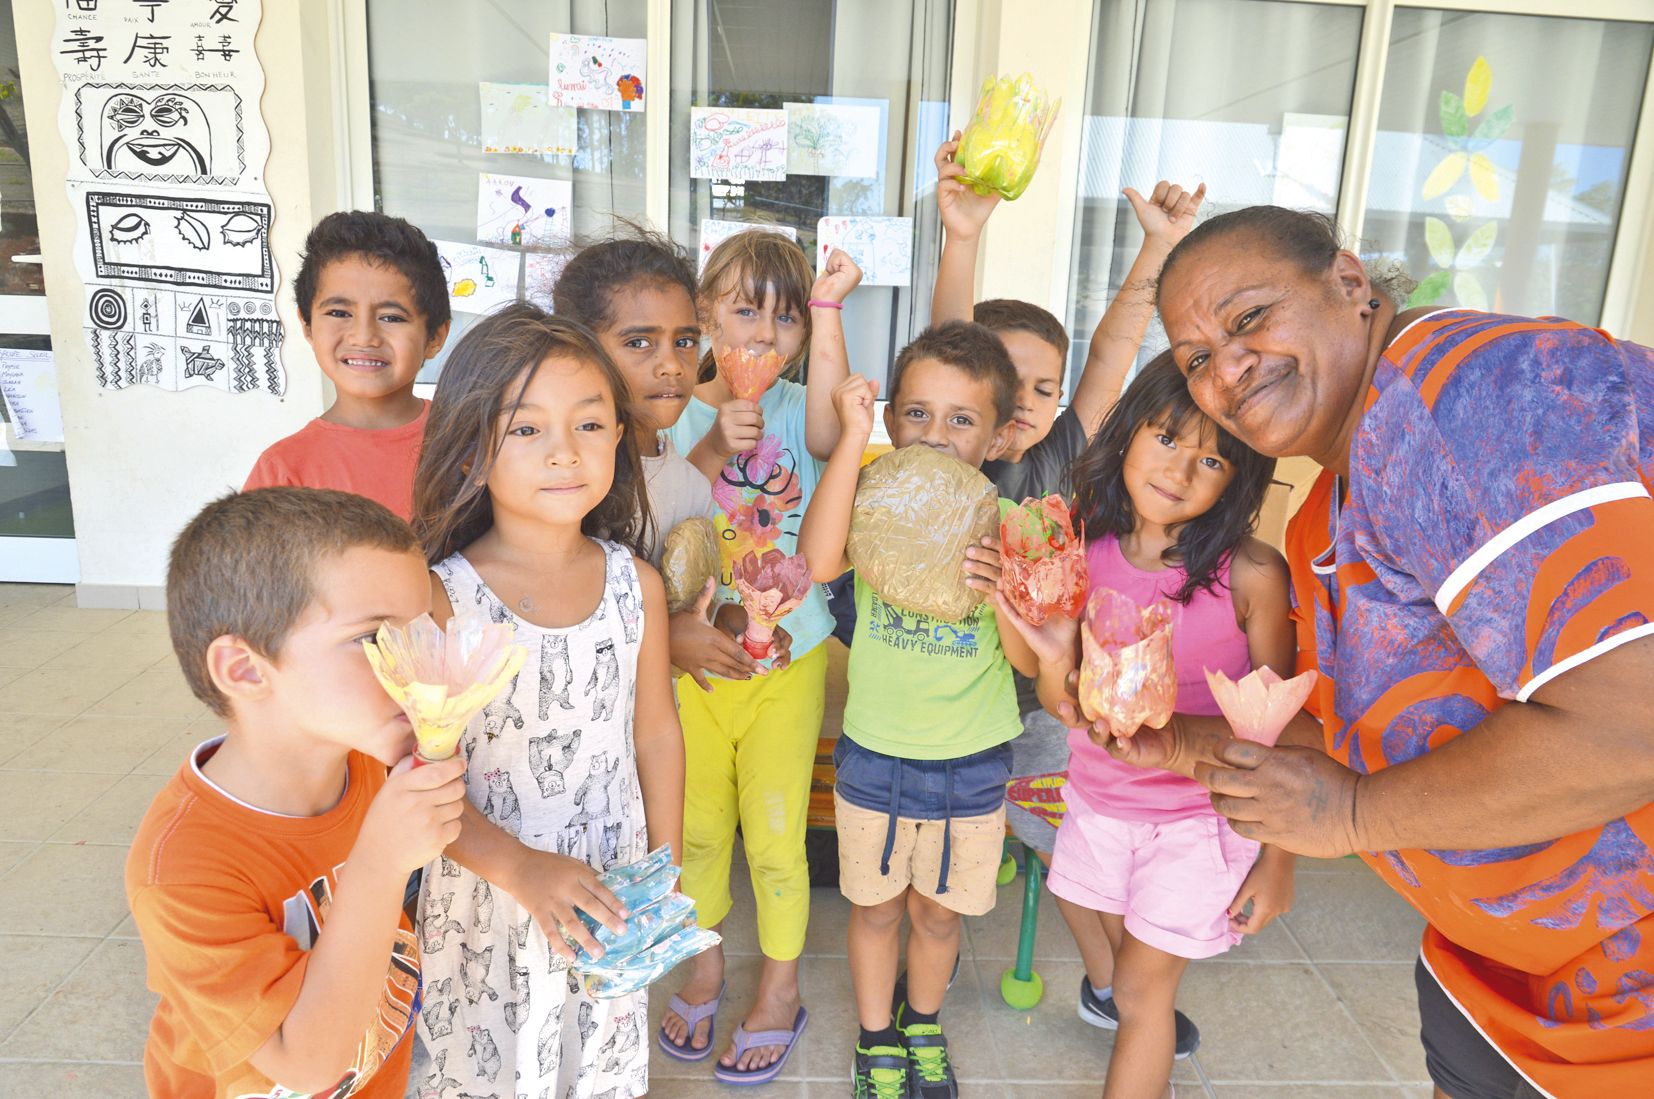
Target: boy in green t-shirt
925,754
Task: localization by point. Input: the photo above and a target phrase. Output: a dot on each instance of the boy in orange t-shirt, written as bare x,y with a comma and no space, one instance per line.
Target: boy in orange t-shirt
374,304
269,878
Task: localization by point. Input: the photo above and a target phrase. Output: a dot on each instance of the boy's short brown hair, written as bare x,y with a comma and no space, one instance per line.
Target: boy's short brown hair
245,567
1010,315
971,349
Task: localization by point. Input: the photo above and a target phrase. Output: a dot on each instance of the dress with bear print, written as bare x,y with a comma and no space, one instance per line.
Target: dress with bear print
551,762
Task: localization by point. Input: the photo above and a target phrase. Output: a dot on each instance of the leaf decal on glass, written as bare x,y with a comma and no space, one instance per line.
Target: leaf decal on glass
1468,289
1439,239
1477,83
1430,290
1445,174
1475,249
1482,177
1493,127
1459,206
1454,122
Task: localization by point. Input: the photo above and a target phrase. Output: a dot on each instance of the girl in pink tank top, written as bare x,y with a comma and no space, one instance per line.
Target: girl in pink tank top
1146,873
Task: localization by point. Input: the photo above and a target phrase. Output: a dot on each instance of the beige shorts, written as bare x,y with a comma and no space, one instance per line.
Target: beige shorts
916,859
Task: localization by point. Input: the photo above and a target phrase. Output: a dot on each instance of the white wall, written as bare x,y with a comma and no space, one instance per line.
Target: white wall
142,461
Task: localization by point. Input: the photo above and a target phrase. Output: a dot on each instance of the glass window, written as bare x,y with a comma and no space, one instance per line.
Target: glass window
889,59
1502,149
426,59
1250,97
18,232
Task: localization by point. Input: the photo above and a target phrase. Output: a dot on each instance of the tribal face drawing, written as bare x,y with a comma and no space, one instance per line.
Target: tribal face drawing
168,131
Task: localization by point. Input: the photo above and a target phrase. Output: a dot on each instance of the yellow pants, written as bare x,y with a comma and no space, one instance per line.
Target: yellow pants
749,747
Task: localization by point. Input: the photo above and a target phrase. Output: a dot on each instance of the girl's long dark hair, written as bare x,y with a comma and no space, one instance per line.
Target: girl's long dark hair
1159,395
482,383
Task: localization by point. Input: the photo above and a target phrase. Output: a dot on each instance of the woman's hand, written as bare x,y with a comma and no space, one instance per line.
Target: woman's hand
553,888
1269,888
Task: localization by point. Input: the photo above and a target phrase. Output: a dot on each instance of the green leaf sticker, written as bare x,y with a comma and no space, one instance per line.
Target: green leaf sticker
1454,122
1439,239
1476,248
1429,290
1493,127
1468,289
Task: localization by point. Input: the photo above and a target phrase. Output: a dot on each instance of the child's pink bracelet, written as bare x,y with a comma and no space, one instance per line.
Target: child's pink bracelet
817,303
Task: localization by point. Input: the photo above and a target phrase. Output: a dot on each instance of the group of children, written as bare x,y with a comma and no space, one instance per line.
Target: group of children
314,907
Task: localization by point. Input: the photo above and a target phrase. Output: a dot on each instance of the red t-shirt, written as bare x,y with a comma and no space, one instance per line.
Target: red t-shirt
1496,533
378,464
229,901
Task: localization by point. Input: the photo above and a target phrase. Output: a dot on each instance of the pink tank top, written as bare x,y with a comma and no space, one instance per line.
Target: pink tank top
1204,635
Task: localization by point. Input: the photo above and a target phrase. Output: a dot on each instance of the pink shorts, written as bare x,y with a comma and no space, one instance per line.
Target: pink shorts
1173,881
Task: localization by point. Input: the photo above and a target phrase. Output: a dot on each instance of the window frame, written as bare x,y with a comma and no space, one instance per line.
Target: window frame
1027,249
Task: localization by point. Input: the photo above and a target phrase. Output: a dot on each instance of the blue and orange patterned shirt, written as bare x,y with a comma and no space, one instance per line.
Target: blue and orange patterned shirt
1498,531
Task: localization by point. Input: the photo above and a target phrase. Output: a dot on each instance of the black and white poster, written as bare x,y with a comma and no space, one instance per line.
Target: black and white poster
166,176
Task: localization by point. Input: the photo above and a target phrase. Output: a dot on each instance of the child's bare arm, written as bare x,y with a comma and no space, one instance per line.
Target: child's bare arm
1166,216
414,815
982,573
656,734
829,361
549,886
1261,588
826,527
964,213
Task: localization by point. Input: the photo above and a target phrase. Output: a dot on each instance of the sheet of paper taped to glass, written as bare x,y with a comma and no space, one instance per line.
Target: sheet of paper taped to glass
916,512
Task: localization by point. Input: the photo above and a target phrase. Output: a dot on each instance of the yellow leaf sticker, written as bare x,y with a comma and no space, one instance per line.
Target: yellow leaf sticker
1477,83
1445,174
1482,177
1458,206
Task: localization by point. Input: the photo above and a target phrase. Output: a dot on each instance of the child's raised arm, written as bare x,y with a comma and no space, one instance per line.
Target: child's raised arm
1166,216
826,527
657,737
829,362
964,213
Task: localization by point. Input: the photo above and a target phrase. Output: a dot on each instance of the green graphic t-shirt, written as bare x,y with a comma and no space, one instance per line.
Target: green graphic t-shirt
925,688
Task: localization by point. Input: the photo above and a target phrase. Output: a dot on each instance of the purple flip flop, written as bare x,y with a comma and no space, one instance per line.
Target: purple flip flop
745,1041
691,1014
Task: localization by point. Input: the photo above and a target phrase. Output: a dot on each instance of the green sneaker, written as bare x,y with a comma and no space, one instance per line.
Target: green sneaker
879,1073
930,1070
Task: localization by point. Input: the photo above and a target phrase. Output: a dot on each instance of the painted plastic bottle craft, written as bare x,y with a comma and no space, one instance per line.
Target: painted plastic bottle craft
1042,561
1001,147
660,930
748,374
1127,679
771,586
441,678
1262,703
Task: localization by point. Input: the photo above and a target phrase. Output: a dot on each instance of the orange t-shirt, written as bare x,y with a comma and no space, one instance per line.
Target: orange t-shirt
376,464
1495,534
229,901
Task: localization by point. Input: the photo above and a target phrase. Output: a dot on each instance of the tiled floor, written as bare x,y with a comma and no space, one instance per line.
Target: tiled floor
94,716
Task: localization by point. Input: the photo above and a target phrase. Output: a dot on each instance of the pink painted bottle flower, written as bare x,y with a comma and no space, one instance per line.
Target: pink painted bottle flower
1127,679
1042,562
748,374
1261,705
771,586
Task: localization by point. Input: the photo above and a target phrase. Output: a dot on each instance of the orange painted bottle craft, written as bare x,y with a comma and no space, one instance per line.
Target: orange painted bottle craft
771,587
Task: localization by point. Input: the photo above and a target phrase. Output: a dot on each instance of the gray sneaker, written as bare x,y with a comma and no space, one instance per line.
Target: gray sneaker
1100,1011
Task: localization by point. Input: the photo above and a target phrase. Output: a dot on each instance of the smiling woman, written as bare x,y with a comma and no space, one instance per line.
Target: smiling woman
1480,538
